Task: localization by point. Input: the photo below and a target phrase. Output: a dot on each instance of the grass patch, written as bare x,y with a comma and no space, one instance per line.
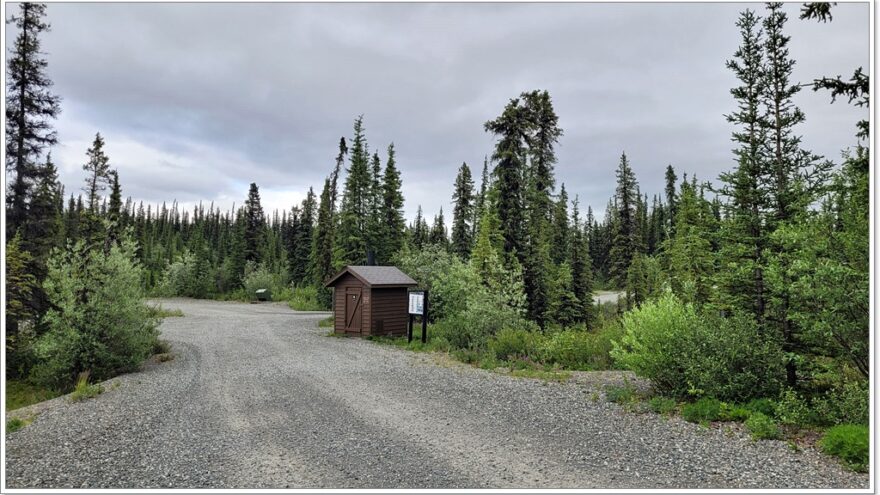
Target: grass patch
663,405
550,376
762,427
327,322
164,357
621,395
305,299
850,444
161,347
703,410
160,312
16,424
84,390
20,394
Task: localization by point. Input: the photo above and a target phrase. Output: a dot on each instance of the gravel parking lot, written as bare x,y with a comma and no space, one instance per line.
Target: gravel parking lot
259,397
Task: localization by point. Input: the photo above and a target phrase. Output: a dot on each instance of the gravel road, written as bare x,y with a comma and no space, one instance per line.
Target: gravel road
259,397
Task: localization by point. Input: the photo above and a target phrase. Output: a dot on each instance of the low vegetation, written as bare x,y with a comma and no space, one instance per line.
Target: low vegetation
15,424
21,393
849,443
160,312
85,390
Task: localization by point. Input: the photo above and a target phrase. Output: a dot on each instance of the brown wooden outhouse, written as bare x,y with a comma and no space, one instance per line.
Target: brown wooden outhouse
370,300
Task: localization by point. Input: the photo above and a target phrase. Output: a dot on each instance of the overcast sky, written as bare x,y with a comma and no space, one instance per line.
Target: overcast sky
198,100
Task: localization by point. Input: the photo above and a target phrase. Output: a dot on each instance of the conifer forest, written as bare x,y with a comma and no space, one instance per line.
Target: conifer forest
749,289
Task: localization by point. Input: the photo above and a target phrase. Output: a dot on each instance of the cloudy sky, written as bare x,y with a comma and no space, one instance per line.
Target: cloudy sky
198,100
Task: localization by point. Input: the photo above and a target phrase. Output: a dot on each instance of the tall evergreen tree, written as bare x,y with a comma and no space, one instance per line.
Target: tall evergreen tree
625,242
581,270
30,106
303,234
463,199
254,226
562,237
439,236
392,209
354,213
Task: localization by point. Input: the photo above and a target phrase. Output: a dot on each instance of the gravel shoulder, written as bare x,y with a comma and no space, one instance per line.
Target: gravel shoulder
259,397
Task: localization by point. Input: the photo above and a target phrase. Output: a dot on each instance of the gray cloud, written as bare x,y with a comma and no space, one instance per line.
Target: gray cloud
197,100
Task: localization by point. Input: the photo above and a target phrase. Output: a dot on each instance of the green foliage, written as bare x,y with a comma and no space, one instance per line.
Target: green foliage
850,443
688,354
20,285
85,390
762,427
578,349
845,403
188,276
621,395
483,318
766,407
662,405
98,321
511,344
731,412
705,409
160,312
326,322
793,409
15,424
20,393
261,277
307,299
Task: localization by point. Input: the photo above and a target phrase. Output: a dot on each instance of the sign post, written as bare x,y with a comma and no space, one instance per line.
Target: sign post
418,306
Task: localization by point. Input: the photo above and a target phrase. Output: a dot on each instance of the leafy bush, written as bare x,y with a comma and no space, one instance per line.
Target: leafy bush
731,412
689,354
188,276
662,405
97,320
846,403
581,349
483,318
705,409
260,277
762,427
306,299
792,409
849,443
513,343
766,407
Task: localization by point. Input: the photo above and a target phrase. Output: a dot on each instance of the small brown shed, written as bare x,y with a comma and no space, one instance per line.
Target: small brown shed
370,300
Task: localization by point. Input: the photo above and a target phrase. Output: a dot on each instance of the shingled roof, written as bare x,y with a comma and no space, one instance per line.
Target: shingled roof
376,276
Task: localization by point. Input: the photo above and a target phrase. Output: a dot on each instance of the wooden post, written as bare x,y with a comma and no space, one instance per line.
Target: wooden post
424,319
409,329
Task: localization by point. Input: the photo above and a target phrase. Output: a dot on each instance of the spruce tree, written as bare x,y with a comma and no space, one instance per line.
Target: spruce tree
561,235
438,235
625,241
303,233
392,209
463,199
97,170
581,266
351,248
254,226
511,127
29,108
480,200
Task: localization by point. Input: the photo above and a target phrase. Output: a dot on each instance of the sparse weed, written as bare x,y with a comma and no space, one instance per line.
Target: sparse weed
85,390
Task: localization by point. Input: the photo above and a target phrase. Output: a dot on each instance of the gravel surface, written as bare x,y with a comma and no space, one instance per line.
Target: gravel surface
259,397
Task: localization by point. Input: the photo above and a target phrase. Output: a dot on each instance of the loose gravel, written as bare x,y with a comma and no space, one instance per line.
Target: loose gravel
259,397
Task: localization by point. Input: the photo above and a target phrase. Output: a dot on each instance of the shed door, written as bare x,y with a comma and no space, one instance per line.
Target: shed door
353,308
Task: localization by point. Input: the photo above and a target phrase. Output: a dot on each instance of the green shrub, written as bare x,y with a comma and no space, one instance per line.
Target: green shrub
731,412
688,354
705,409
513,343
849,443
762,427
97,320
188,276
662,405
472,328
580,349
792,409
306,299
845,403
261,277
766,407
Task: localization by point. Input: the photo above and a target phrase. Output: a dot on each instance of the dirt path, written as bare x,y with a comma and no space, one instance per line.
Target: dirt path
259,397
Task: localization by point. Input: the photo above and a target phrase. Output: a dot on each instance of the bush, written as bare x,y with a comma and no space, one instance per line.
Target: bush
792,409
97,320
689,354
188,276
764,406
731,412
515,343
260,277
846,403
762,427
849,443
483,318
581,349
662,405
705,409
306,299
